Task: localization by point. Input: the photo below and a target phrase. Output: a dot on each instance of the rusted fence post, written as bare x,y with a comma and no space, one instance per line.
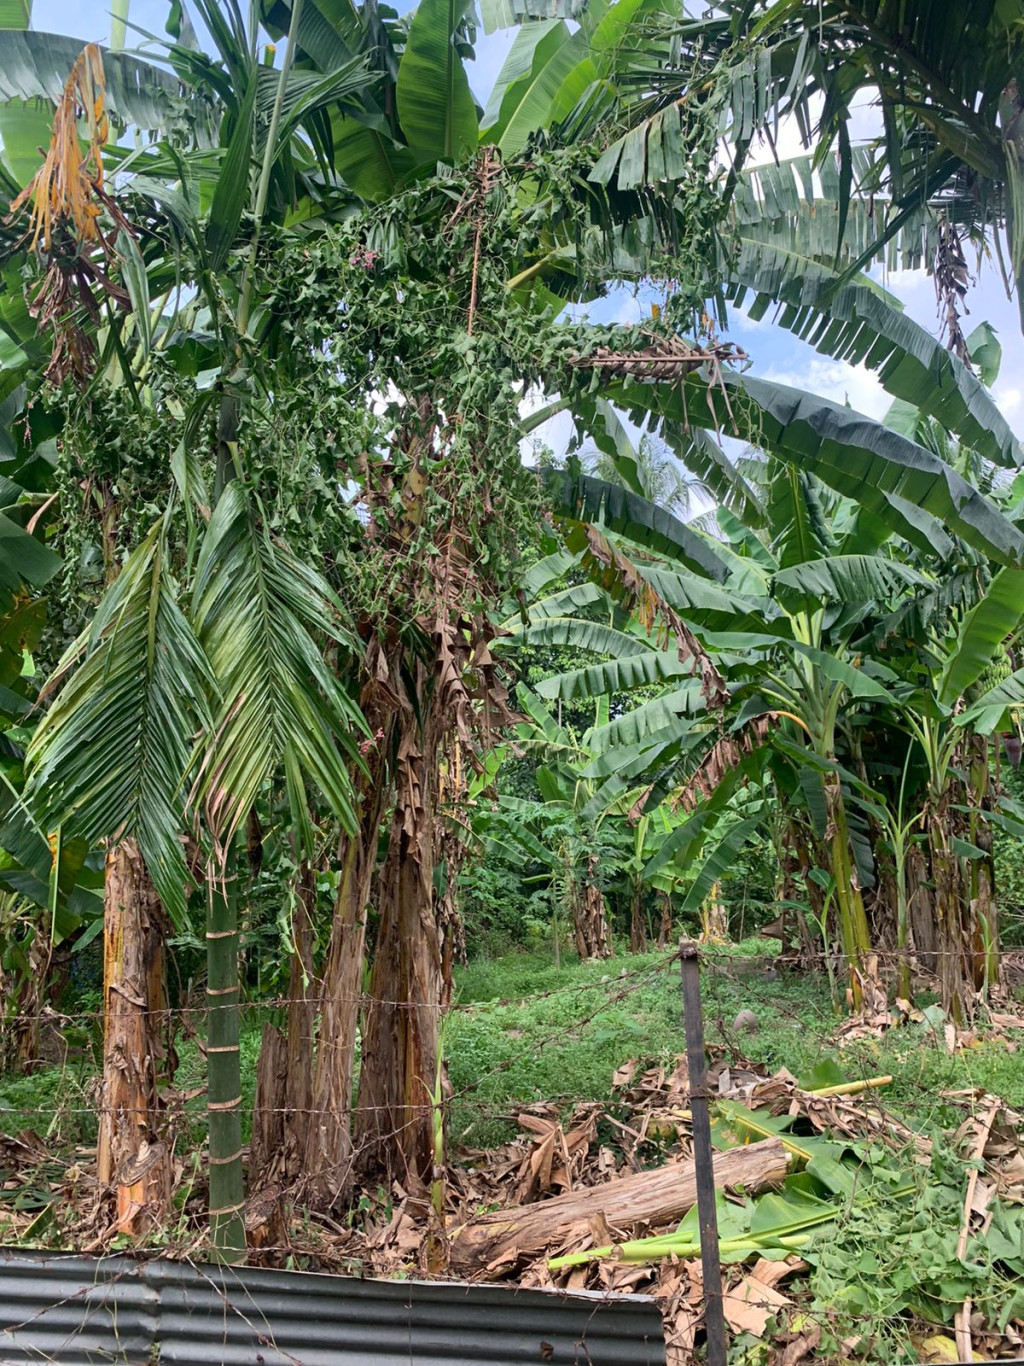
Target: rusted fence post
714,1318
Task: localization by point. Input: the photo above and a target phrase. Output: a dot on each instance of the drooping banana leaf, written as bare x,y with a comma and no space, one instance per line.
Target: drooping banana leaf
37,65
862,324
981,633
858,457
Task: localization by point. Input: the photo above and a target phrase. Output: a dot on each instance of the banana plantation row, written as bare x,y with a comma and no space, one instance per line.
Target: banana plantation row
272,341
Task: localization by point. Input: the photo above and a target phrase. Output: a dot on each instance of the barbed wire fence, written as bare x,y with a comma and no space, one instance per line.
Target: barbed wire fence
722,966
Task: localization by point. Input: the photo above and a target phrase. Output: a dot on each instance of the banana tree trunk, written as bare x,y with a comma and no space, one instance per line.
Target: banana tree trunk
797,857
854,931
952,915
395,1109
983,892
329,1149
714,928
282,1113
665,923
923,926
22,1041
637,922
593,937
133,1162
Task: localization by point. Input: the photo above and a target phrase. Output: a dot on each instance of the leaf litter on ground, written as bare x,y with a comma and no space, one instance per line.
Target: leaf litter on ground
876,1242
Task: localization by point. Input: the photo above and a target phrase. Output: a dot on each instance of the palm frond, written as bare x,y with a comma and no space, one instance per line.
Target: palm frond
259,613
111,756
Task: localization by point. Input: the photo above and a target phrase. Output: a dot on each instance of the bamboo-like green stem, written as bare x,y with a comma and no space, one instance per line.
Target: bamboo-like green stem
226,1180
224,1090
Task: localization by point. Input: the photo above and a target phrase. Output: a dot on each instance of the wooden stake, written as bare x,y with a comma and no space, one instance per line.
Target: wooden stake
714,1318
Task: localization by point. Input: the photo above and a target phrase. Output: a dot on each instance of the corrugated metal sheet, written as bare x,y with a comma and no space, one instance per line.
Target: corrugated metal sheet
81,1311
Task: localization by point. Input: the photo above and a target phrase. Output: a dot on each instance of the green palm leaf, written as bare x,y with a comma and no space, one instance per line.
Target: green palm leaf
233,184
258,612
111,755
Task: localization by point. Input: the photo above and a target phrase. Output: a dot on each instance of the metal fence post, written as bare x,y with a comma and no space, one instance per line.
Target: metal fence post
714,1318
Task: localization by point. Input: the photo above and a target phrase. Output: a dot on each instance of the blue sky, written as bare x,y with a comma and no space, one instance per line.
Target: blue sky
775,354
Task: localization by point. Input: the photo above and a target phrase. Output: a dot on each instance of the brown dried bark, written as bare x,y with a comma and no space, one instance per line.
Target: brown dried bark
130,1158
924,937
952,917
590,923
983,909
637,922
394,1113
284,1077
665,923
329,1147
20,1038
495,1242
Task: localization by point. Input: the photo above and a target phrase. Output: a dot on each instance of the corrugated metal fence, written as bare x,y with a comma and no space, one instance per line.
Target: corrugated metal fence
80,1311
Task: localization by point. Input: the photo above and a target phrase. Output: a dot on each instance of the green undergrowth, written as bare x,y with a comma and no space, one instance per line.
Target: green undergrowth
529,1031
524,1030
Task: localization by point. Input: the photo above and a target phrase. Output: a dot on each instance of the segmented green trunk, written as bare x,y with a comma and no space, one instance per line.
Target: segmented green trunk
983,891
951,916
224,1103
853,920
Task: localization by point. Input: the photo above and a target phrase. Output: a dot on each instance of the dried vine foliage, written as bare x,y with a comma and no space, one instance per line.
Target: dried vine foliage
725,754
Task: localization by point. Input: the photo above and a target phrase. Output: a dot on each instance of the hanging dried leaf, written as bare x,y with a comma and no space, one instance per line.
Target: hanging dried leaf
625,582
68,199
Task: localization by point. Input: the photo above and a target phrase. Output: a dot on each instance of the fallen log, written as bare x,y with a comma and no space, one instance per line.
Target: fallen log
496,1243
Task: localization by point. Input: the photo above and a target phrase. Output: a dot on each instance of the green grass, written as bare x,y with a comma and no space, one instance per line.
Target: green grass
527,1031
513,1044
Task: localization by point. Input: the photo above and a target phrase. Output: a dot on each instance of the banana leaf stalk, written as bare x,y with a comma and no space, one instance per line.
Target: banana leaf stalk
792,1236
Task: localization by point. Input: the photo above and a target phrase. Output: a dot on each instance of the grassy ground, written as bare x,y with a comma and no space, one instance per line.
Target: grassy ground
526,1031
512,1043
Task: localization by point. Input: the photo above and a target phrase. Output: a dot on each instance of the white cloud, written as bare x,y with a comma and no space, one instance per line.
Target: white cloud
836,380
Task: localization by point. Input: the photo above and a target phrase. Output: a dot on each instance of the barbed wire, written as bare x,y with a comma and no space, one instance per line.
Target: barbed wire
711,955
364,999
